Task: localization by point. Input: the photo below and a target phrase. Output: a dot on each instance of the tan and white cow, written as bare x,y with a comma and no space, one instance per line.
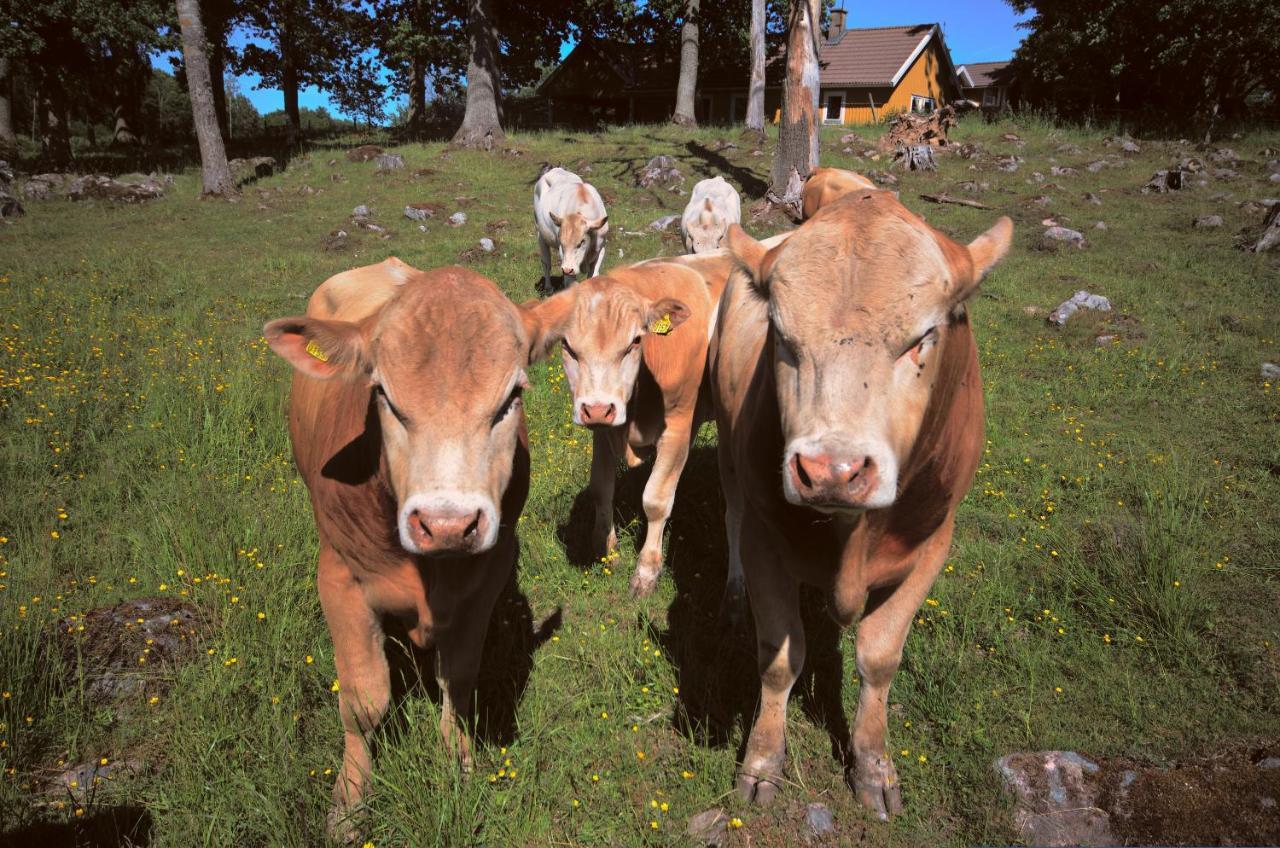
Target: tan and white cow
826,185
570,217
634,347
713,206
849,405
408,429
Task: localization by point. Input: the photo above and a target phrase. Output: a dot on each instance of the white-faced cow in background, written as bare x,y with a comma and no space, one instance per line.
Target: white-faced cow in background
713,206
571,219
409,432
849,405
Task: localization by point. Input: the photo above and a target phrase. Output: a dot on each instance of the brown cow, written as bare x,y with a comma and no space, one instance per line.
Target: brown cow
826,185
408,429
634,346
849,404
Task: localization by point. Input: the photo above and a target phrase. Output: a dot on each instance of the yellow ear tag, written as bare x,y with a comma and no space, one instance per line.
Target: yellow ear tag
315,350
662,326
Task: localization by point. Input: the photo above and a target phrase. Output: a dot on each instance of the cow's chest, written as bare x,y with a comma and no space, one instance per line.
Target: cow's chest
400,593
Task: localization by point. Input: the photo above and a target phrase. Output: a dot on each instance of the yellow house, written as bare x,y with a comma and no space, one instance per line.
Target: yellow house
868,75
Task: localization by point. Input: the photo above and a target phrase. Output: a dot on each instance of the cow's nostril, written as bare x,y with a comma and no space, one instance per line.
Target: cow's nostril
803,477
473,527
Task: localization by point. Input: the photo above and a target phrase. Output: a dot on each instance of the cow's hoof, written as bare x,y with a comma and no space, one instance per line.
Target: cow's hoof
604,542
876,785
342,824
733,610
643,583
757,788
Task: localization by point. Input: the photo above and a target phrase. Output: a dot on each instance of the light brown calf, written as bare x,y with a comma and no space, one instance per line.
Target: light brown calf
849,404
826,185
408,429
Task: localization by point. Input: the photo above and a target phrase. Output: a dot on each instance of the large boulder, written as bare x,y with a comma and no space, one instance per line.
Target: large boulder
248,170
97,186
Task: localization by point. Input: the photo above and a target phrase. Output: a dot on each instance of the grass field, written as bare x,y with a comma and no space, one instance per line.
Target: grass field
1113,587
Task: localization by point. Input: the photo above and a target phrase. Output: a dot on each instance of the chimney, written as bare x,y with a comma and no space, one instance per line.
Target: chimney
835,27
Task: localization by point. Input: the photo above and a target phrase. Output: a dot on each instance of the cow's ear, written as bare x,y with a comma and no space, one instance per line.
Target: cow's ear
320,348
598,223
545,321
988,249
750,256
665,315
555,219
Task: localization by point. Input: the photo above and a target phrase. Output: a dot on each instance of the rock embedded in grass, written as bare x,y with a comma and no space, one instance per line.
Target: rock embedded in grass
1080,300
1057,798
709,828
457,219
1207,221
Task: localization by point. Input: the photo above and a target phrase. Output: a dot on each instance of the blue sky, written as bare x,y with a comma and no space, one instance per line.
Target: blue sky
975,30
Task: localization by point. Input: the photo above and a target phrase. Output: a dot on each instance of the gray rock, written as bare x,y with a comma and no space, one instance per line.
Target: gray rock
709,828
819,819
486,244
1224,154
389,162
1208,221
1130,146
1063,172
360,211
660,170
418,212
457,219
1270,371
1101,225
1093,198
85,780
94,186
248,170
1057,799
1008,164
1080,300
1275,178
1096,166
1064,234
663,223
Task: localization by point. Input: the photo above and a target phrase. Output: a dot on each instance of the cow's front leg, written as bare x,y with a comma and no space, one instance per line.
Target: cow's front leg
545,250
733,603
364,685
459,646
599,257
882,632
604,540
775,604
659,495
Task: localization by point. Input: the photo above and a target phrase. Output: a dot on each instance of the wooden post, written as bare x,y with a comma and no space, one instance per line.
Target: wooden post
872,103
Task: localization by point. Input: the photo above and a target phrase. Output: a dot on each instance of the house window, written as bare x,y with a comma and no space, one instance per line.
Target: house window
921,104
991,97
833,109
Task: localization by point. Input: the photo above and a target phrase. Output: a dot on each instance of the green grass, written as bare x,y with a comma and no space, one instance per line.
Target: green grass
1129,493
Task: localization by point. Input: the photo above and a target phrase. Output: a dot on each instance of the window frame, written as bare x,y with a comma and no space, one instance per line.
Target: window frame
933,104
826,106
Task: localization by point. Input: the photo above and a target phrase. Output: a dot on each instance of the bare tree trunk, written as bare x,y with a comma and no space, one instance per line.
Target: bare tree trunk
126,97
215,175
417,98
289,85
8,139
687,88
55,140
217,76
755,92
797,152
482,121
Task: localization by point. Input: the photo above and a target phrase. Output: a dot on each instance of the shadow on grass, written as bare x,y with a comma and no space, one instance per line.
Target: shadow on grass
124,825
752,185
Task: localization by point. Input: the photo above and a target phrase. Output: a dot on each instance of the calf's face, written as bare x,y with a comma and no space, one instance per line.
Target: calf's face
577,235
446,376
601,326
860,301
707,231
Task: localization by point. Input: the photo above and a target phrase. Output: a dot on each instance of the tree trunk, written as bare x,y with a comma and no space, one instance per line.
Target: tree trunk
8,138
687,88
755,92
55,140
797,152
217,76
418,98
215,175
289,84
482,121
126,97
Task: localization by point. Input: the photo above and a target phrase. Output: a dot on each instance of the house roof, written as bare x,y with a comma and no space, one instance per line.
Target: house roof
874,57
983,74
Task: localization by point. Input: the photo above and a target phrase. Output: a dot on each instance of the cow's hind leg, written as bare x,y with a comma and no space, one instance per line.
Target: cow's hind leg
733,603
659,495
545,250
775,603
364,685
604,539
600,252
882,632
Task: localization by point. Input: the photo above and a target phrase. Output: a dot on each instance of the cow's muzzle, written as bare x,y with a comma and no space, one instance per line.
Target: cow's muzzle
834,482
446,531
598,414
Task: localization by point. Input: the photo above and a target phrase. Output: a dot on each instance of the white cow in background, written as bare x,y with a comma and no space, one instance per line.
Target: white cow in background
713,206
571,217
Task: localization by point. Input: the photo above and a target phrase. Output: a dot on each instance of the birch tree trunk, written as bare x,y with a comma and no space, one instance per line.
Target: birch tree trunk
482,121
797,152
755,91
217,77
214,173
687,87
8,138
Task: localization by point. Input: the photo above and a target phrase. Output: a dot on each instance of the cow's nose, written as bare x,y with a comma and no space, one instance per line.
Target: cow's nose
441,532
821,477
598,414
569,270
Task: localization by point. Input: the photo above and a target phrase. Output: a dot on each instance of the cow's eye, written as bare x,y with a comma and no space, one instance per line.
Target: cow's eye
509,405
572,354
786,349
381,394
635,343
918,347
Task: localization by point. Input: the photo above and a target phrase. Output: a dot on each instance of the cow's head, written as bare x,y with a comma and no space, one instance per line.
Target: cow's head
445,361
600,324
577,234
860,301
707,230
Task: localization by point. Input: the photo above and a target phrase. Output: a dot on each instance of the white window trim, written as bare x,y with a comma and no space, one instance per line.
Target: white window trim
933,103
844,104
991,97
